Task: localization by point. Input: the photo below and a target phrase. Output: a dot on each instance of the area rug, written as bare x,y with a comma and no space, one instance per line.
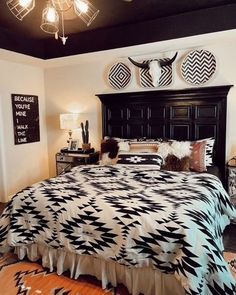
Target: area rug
231,259
29,278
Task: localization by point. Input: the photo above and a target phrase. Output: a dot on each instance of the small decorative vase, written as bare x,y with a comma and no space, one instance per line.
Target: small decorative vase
86,146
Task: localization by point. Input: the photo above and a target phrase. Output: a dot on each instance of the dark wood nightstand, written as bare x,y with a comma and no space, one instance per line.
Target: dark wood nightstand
66,161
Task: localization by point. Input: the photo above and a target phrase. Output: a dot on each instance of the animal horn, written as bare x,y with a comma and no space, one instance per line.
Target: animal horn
168,62
139,64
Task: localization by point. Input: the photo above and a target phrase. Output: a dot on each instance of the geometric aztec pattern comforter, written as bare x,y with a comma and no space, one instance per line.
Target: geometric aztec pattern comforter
136,216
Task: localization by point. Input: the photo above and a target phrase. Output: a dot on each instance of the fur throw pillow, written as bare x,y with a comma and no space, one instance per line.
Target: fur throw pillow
179,149
109,152
173,163
164,149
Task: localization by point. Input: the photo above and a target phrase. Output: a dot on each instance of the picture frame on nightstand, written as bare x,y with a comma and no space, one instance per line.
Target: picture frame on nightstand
73,145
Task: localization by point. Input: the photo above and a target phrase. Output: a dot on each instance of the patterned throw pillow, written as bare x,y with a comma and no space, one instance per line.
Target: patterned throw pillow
209,150
198,156
140,139
147,159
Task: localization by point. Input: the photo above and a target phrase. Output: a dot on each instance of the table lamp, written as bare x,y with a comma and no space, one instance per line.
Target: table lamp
69,122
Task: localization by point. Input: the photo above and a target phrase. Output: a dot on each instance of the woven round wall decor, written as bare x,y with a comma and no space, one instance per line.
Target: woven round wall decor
198,67
119,76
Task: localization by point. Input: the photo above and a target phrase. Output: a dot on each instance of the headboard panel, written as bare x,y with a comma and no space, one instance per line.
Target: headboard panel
186,114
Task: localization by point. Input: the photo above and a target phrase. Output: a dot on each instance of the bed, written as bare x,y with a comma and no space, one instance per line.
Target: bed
157,232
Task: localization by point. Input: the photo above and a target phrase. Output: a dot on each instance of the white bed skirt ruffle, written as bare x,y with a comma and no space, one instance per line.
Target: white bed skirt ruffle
137,280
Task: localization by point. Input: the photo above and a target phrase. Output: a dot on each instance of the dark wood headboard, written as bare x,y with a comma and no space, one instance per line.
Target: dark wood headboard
186,114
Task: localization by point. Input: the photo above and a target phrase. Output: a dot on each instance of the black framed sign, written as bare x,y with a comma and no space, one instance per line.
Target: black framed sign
25,118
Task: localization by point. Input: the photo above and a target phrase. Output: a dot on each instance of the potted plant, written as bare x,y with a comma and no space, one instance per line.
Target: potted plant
85,135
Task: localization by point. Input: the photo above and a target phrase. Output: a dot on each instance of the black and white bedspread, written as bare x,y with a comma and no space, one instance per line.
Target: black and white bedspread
136,216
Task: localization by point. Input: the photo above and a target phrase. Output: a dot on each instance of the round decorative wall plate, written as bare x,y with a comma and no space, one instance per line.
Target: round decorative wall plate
198,67
119,76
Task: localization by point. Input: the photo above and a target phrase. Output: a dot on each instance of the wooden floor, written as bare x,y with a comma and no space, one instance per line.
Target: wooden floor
2,206
229,234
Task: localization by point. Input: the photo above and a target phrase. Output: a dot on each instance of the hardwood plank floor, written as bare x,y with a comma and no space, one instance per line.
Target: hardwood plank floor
2,206
229,234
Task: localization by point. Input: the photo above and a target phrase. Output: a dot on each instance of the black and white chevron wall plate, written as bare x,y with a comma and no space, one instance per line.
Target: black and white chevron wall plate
119,76
165,79
198,67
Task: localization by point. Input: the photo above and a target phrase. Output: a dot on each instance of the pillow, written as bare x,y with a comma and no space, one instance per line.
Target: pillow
109,152
118,139
179,149
124,146
143,147
173,163
198,155
106,160
164,149
139,139
140,159
208,150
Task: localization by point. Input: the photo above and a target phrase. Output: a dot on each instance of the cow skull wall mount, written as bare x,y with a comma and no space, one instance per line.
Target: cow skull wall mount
154,67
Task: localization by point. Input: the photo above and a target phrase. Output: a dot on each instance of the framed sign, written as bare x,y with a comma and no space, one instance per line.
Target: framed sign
25,118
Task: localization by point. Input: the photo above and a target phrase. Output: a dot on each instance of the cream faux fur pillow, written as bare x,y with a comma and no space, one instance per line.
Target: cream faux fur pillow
179,149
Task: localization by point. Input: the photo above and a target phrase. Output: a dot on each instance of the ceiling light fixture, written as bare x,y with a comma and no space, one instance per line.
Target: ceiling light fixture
53,13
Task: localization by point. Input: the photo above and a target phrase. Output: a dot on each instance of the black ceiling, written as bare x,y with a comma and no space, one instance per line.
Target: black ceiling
118,24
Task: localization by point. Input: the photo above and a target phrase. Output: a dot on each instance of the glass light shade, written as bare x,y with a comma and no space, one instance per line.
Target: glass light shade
20,8
69,121
62,5
85,10
50,19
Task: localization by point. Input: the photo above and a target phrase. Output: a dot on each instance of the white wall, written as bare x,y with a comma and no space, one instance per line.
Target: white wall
71,83
25,164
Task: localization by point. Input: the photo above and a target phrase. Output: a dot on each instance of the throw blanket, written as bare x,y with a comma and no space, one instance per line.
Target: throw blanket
136,216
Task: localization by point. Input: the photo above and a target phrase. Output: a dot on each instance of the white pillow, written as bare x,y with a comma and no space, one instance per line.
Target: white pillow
124,146
181,149
164,149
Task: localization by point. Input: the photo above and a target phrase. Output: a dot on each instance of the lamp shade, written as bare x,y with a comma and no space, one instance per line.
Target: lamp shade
20,8
50,19
69,121
85,10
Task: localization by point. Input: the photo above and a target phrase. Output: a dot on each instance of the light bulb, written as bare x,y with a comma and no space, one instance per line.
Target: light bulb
51,15
25,3
81,5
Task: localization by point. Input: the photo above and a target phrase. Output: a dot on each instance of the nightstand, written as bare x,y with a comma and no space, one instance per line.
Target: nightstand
66,161
232,185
